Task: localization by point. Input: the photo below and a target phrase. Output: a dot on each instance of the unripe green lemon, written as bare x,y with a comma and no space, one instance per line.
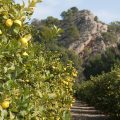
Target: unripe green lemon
18,22
9,23
5,104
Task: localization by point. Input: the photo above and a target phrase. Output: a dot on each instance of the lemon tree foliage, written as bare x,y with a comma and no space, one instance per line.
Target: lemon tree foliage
103,92
34,83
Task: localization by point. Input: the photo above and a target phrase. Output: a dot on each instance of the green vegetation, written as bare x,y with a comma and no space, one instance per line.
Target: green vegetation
103,92
102,62
70,30
38,72
35,84
71,35
96,19
115,27
109,37
70,14
42,33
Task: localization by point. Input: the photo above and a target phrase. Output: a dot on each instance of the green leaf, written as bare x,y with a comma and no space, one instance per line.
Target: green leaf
16,30
12,116
5,69
66,115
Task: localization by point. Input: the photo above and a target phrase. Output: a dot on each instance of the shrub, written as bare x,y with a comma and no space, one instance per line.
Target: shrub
103,92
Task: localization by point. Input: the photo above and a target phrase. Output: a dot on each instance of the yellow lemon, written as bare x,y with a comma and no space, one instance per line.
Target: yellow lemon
27,81
0,32
65,82
65,69
18,22
28,37
9,22
24,42
57,118
74,74
5,104
25,54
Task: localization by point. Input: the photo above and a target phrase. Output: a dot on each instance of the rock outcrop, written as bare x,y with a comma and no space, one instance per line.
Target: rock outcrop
90,33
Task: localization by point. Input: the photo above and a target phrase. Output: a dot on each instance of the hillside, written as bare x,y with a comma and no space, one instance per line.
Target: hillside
90,34
85,40
94,35
83,33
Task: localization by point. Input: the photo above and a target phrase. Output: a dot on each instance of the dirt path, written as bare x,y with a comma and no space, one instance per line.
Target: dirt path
82,111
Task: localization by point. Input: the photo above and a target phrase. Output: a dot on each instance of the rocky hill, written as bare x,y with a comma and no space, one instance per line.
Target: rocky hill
90,31
83,32
95,36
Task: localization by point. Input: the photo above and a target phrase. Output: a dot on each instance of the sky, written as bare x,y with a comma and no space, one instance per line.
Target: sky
106,10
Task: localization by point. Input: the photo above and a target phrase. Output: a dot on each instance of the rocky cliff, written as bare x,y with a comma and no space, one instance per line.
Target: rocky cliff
83,32
90,34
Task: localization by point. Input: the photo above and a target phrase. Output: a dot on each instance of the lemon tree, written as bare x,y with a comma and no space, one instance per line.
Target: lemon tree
34,83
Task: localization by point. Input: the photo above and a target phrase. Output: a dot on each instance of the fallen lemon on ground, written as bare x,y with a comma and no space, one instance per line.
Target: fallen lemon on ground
5,104
18,22
9,22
